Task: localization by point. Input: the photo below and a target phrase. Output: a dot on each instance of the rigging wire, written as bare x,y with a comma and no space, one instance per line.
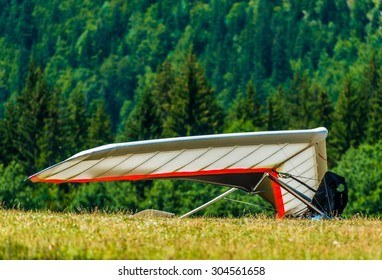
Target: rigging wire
286,175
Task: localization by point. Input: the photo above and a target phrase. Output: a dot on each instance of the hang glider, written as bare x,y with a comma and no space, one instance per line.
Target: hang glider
283,167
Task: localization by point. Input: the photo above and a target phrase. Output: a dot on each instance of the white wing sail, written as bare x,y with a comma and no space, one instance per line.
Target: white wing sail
237,160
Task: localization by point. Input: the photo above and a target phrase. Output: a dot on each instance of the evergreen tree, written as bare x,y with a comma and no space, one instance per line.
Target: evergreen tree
342,17
76,121
204,115
246,113
194,109
25,25
8,140
322,113
367,93
277,113
280,60
359,18
99,131
264,37
49,142
372,92
176,123
164,86
374,124
327,11
375,21
255,106
345,131
301,102
303,42
31,123
143,122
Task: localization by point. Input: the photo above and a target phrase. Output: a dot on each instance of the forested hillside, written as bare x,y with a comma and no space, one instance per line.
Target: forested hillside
78,74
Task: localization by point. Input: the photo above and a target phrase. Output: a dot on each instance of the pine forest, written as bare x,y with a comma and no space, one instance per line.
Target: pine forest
78,74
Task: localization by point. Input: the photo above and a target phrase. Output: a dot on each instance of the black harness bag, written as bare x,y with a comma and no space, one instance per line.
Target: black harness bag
332,195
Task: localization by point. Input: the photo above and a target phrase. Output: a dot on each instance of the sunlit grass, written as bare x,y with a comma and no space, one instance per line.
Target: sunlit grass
45,235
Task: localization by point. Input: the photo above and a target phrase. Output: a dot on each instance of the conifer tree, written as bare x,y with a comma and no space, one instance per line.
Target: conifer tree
345,131
328,11
277,113
264,37
99,131
32,107
359,18
280,60
194,109
234,120
374,125
246,113
164,85
372,92
31,123
342,17
76,121
375,21
322,113
8,139
176,122
49,142
367,95
301,101
255,106
143,122
204,115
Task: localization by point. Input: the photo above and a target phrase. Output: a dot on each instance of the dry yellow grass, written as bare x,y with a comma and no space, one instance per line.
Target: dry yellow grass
45,235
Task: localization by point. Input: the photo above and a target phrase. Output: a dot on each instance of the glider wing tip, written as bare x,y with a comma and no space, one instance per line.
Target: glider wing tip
33,179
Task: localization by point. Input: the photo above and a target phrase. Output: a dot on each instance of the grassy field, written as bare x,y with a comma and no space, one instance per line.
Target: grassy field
45,235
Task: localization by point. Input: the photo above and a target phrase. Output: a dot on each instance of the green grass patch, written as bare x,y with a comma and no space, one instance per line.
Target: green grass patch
46,235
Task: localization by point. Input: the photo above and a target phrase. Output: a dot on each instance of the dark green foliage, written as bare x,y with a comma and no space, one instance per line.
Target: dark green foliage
17,193
76,120
323,112
203,113
345,132
371,101
374,125
246,112
30,124
280,60
99,130
113,196
301,101
264,39
277,117
193,108
361,166
360,18
131,70
143,122
13,192
166,97
309,105
49,141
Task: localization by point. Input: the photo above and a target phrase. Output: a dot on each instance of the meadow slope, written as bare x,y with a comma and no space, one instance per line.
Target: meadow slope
46,235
